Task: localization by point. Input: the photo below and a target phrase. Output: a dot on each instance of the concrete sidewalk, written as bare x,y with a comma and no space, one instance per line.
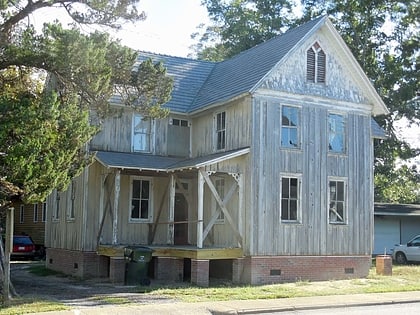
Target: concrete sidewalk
250,306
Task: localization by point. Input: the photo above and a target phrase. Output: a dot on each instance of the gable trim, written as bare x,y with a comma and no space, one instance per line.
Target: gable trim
379,107
290,52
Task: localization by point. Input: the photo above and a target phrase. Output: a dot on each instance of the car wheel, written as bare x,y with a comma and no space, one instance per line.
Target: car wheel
400,258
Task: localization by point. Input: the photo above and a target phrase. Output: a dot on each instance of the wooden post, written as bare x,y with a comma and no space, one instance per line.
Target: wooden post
116,202
200,209
171,213
8,250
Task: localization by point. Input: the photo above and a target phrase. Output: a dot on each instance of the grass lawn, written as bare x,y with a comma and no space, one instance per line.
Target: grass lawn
404,278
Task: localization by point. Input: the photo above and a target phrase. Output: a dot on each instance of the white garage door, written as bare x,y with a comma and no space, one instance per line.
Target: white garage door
386,235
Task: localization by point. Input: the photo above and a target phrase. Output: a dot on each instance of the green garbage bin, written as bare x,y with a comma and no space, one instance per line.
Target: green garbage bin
137,265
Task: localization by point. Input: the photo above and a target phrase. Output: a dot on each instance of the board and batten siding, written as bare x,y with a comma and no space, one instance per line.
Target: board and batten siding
116,134
312,235
238,127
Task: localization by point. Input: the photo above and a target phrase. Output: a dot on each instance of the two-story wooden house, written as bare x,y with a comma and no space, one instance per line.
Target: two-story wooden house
262,173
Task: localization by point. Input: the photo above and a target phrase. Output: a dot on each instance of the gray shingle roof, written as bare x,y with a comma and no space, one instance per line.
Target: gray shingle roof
140,161
198,84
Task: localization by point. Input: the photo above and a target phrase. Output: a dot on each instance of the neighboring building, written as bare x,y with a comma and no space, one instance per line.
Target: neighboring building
262,173
395,224
29,219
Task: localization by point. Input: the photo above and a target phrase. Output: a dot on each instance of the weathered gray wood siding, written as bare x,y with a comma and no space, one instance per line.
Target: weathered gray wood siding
62,231
116,134
313,235
238,127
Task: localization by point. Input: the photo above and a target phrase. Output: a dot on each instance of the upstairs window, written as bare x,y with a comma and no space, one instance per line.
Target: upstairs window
290,127
336,133
220,127
142,134
337,201
179,122
140,200
315,64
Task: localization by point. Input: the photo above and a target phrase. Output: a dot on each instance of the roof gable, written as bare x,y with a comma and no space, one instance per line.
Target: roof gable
199,84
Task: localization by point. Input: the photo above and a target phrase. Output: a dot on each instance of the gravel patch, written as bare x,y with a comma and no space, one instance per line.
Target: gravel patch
74,292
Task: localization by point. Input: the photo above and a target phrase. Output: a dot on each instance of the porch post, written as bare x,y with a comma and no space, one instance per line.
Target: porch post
200,216
116,201
240,182
171,215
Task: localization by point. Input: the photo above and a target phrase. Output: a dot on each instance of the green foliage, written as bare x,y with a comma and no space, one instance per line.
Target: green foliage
389,56
401,185
51,81
43,139
239,25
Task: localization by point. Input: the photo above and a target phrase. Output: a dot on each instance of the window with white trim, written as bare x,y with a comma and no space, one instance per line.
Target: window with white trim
290,125
142,134
315,64
290,198
35,212
71,209
44,212
336,133
220,130
56,214
337,195
141,199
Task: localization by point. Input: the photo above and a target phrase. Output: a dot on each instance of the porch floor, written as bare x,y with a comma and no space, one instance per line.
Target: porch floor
187,251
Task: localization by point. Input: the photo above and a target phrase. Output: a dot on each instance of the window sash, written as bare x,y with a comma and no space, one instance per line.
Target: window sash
290,127
140,200
337,211
336,133
290,199
142,134
221,131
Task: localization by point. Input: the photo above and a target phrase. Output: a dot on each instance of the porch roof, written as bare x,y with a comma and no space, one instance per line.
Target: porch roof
158,163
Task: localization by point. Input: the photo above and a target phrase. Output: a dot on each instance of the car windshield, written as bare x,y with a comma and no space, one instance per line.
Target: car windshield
22,241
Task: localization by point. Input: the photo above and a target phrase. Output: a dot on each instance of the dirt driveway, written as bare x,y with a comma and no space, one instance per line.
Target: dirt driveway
73,292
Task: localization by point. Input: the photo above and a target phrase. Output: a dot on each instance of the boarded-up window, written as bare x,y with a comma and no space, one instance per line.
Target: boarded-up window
315,64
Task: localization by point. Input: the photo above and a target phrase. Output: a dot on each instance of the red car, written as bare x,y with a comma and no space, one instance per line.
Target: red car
23,246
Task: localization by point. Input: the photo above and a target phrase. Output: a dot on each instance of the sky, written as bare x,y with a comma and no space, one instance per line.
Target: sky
167,30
